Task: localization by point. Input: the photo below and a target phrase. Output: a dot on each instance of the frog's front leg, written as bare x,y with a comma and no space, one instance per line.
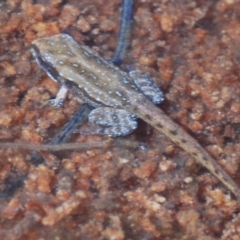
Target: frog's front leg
60,97
111,121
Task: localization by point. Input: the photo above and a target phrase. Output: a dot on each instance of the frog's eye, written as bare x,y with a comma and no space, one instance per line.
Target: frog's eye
45,65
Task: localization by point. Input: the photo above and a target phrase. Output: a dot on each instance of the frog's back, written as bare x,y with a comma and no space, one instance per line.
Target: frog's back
85,72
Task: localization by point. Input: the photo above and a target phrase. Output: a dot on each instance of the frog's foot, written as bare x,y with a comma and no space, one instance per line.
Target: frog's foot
112,122
60,98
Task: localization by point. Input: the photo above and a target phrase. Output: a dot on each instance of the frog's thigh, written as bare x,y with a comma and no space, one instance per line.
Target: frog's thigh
147,86
113,122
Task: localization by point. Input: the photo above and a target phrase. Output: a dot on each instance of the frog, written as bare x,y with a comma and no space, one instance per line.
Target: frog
109,115
117,96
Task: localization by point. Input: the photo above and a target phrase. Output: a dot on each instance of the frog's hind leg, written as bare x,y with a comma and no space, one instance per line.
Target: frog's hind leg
112,122
147,86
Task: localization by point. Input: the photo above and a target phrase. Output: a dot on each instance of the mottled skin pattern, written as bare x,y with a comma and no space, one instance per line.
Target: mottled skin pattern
101,84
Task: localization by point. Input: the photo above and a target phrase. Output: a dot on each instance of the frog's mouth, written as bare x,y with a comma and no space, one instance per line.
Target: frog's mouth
46,66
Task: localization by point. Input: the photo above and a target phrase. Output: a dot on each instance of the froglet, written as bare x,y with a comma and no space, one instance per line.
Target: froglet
118,97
